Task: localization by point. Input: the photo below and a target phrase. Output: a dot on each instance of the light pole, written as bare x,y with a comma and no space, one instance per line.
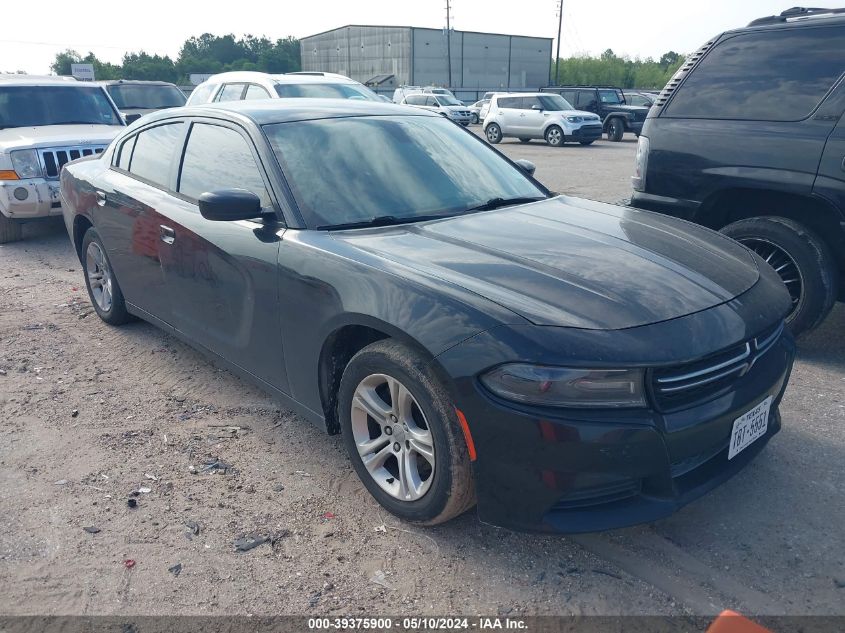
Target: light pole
449,43
559,25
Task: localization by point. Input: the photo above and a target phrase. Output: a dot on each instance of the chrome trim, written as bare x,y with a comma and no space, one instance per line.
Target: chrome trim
708,370
709,379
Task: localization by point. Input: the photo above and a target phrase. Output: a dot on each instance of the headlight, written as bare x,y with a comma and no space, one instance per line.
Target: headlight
640,164
574,119
25,163
567,387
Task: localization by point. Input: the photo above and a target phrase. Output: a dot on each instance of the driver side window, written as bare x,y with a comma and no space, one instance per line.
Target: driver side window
219,158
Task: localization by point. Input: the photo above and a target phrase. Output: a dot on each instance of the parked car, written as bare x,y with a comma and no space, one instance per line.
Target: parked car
643,99
136,98
403,91
441,92
477,108
539,115
607,102
571,365
44,123
762,160
446,106
248,86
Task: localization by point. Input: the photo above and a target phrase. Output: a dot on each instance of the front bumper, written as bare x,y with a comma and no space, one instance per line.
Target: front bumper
586,133
40,198
684,209
461,118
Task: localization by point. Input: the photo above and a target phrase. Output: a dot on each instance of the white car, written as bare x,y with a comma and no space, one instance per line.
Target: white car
246,85
447,106
46,122
539,115
479,109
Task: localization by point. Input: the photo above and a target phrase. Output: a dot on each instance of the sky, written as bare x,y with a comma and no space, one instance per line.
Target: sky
638,28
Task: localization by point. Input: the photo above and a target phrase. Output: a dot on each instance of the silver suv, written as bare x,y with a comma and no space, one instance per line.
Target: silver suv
539,115
444,105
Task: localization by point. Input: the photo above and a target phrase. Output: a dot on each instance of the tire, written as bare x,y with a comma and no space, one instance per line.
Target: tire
493,133
586,142
800,258
615,129
524,140
554,136
103,289
448,490
10,230
475,119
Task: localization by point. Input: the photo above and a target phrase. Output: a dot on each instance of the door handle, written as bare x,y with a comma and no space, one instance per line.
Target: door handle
101,198
167,235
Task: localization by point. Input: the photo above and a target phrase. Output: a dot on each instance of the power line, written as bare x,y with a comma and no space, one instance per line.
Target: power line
65,44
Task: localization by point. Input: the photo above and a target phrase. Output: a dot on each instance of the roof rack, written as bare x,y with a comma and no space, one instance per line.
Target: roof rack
795,12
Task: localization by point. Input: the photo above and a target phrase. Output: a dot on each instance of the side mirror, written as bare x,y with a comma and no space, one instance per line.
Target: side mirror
131,117
229,204
526,165
536,107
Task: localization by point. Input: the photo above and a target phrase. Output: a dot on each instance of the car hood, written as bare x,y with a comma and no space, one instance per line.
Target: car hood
588,116
572,262
57,136
628,108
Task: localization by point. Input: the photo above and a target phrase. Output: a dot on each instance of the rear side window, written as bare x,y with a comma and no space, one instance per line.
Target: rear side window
254,91
569,95
219,158
126,153
777,75
153,155
432,101
231,92
414,100
201,94
510,102
586,99
528,103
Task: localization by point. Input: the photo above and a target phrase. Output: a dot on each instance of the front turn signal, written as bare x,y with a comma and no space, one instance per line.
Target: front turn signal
8,174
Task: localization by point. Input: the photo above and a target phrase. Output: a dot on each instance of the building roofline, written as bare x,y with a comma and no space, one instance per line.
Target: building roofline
427,28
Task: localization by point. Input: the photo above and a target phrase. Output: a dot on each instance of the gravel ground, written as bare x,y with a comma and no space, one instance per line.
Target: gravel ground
91,415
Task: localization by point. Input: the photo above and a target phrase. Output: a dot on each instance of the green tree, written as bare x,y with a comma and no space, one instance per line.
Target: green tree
102,70
613,70
149,67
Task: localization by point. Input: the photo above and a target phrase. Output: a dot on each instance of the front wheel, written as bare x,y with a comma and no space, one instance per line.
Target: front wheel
615,129
475,119
103,289
493,133
401,432
554,136
10,230
801,259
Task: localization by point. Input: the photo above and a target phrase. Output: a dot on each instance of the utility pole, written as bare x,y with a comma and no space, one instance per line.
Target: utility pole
449,41
559,25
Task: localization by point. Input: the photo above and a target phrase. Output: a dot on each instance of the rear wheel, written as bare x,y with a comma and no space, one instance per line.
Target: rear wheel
554,136
493,133
10,230
475,118
103,289
801,259
401,432
615,129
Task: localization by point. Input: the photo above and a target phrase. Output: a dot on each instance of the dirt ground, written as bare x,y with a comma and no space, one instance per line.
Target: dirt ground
91,415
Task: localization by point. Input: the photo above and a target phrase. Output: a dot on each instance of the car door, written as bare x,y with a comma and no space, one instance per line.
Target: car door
222,276
132,206
587,101
509,111
532,117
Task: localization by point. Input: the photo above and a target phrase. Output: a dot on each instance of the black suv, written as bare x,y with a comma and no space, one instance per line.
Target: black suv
609,103
748,138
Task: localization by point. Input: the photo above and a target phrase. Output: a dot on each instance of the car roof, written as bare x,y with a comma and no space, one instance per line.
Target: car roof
268,111
141,82
798,16
283,78
36,80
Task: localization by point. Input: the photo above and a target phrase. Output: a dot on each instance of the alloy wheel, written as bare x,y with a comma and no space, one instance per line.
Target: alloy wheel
393,437
784,265
99,276
493,133
553,136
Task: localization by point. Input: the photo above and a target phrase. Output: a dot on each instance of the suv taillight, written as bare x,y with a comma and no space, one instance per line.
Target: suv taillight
640,165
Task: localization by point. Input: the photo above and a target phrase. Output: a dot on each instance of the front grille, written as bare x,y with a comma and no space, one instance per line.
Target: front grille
682,385
54,158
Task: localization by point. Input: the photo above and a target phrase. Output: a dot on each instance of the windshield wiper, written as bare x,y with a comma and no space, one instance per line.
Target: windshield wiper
75,123
496,203
384,220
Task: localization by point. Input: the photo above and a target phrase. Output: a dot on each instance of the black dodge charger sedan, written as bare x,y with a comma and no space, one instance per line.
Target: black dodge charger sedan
567,365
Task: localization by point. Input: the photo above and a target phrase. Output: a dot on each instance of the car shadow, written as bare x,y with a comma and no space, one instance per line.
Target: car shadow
826,344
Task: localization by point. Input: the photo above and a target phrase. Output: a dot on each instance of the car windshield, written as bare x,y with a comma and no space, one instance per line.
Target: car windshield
555,103
356,169
447,100
145,97
33,106
327,91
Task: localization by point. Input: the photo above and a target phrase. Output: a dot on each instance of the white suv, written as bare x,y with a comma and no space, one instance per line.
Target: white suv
245,85
539,115
444,105
46,122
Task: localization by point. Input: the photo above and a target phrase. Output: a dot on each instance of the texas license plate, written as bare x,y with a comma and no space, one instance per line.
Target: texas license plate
750,427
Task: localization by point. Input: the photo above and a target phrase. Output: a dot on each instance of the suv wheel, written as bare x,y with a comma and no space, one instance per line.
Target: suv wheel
103,289
494,133
555,136
801,259
475,118
402,435
615,129
10,230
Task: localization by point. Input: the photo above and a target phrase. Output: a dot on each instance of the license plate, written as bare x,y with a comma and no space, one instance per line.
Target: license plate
750,427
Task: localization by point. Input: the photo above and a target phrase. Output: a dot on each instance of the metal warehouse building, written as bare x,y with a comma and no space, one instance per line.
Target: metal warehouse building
389,56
